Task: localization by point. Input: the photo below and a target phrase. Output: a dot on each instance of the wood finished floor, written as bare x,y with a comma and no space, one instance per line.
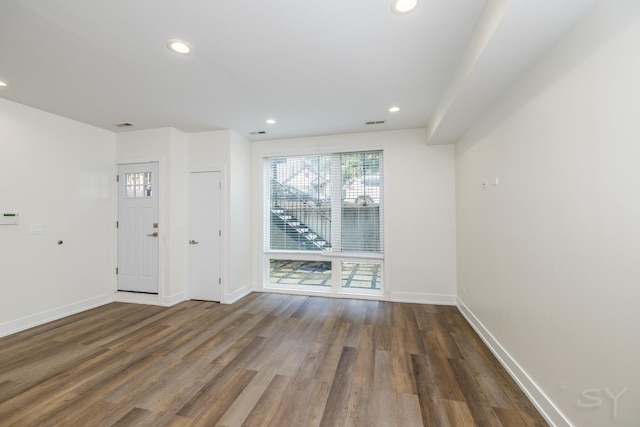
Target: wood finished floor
268,360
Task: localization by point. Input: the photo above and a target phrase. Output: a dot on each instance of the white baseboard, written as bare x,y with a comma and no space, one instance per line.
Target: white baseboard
237,295
137,298
418,298
535,394
174,299
409,297
26,322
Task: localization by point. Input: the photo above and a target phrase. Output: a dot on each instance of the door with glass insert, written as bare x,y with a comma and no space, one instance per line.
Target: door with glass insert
138,227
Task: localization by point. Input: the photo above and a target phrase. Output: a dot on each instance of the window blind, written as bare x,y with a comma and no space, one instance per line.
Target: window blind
327,202
361,209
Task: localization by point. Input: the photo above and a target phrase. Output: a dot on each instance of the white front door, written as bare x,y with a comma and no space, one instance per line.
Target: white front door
138,227
205,241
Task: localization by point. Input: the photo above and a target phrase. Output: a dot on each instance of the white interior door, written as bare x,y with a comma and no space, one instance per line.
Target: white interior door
205,241
138,227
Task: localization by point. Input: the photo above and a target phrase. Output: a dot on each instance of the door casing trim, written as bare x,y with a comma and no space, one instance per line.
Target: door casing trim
134,297
223,225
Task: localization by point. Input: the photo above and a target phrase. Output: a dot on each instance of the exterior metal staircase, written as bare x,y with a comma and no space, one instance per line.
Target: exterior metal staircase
294,228
303,218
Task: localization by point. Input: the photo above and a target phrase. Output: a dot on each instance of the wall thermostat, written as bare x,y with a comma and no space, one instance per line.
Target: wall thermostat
9,218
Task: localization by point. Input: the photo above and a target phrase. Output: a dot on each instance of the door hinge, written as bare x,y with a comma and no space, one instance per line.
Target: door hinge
219,281
117,178
116,270
220,185
117,224
220,233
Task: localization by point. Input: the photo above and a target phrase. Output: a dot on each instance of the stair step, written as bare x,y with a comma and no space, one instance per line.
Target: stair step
294,227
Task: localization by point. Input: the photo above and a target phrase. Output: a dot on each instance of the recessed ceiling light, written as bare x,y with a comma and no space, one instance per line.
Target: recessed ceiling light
2,84
179,46
270,122
402,7
394,109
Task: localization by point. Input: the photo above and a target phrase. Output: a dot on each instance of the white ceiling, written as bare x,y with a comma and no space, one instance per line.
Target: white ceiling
316,66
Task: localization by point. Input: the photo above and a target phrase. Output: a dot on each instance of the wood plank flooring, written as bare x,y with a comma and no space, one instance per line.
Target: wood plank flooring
268,360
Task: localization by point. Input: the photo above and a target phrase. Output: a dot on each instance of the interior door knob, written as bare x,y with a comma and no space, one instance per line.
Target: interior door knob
153,234
193,242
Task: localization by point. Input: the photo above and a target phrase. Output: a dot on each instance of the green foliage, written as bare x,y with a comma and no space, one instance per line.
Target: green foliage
360,164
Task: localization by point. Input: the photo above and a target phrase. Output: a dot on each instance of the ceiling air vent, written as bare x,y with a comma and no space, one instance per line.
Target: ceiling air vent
123,125
375,122
260,132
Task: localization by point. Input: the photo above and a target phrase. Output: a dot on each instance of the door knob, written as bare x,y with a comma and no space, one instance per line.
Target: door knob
193,242
153,234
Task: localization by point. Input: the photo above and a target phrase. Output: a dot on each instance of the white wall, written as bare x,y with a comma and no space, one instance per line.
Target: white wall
239,216
177,207
209,150
58,173
548,259
419,208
